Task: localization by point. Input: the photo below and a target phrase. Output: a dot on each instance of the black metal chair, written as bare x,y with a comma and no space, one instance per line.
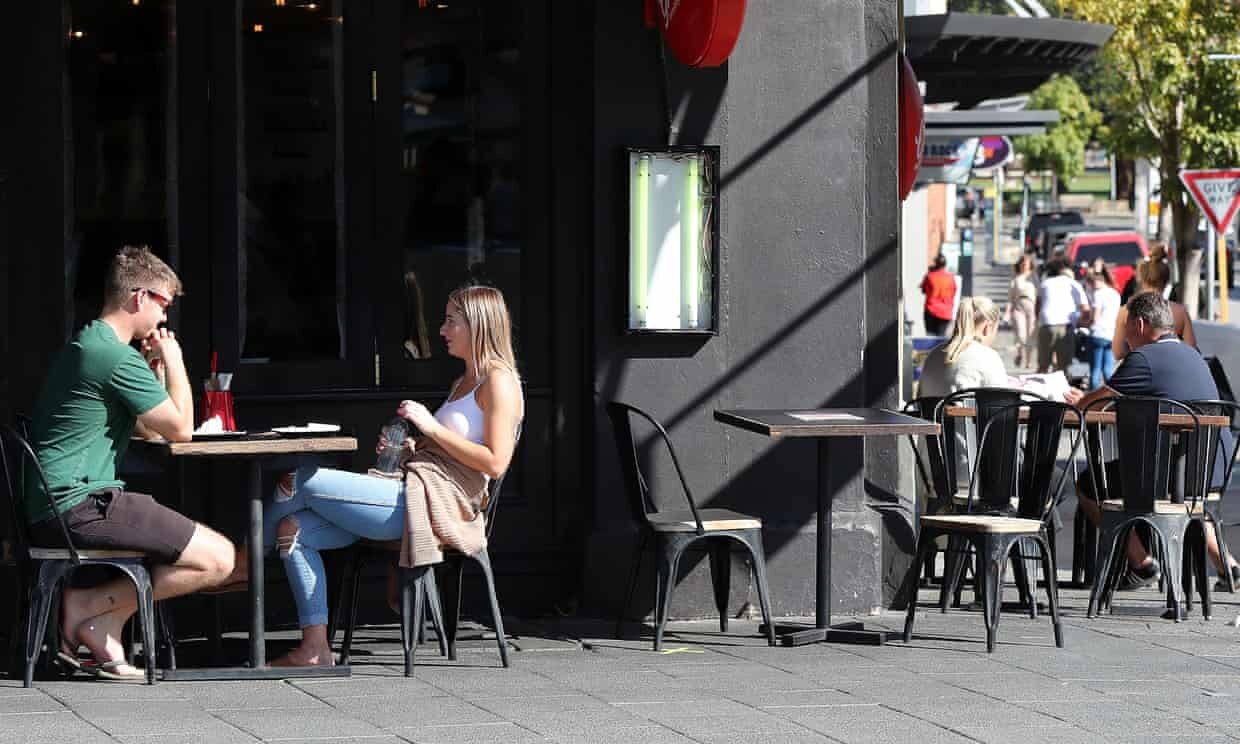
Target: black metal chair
51,566
931,466
1038,427
676,531
1144,451
419,590
996,471
1213,505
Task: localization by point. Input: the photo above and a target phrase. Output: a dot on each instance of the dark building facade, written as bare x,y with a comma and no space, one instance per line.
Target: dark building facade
321,174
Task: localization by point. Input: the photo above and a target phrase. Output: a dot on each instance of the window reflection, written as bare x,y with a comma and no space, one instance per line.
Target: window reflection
462,81
292,246
121,76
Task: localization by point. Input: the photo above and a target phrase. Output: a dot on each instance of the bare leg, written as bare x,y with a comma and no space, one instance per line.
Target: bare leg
95,616
1138,556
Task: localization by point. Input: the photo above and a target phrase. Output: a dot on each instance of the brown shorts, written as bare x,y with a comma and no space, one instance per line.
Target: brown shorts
120,520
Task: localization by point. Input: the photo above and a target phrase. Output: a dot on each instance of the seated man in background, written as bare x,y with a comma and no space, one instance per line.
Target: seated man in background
1158,364
98,391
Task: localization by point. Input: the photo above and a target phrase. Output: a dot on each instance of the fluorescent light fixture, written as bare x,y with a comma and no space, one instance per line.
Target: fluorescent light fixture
673,233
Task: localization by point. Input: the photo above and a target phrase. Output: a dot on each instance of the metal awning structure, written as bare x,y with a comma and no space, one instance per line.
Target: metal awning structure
987,123
969,58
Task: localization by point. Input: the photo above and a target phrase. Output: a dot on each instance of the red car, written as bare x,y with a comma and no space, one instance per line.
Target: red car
1119,249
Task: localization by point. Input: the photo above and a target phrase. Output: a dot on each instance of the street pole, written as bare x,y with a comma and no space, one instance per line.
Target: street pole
996,218
1210,251
1024,208
1223,279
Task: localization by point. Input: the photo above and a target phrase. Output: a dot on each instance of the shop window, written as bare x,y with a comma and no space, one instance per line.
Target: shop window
122,131
292,246
461,159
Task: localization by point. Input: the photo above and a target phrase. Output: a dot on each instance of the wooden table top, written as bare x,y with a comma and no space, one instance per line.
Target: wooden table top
1169,420
253,445
826,422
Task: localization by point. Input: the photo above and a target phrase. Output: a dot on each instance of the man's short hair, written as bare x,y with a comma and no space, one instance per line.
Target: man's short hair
135,267
1152,308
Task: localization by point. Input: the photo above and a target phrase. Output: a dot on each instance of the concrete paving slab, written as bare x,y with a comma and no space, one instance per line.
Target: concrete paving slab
499,733
299,723
393,712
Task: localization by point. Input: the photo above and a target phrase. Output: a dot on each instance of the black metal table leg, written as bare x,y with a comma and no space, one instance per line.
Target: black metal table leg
830,450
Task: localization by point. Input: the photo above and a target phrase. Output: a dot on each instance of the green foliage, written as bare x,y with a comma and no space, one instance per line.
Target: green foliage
1062,148
1165,99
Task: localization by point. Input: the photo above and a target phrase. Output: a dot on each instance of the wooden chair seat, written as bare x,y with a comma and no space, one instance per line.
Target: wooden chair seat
713,520
1160,507
962,499
982,523
62,554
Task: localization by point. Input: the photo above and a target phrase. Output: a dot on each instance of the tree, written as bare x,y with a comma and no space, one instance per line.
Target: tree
1061,148
1166,101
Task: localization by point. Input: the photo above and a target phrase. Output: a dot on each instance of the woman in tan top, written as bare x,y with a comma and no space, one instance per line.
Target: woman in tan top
1022,309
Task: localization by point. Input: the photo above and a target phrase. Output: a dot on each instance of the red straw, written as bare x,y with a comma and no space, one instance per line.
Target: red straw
215,358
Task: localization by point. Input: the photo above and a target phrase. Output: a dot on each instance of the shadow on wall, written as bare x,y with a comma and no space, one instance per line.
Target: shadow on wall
794,461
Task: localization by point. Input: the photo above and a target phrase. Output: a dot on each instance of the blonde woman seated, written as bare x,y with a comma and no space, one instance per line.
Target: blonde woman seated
967,360
467,441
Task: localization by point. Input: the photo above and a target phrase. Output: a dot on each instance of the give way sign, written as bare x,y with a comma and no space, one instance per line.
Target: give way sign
1217,193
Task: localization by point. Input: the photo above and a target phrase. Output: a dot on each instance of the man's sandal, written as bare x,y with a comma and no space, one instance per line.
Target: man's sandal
107,671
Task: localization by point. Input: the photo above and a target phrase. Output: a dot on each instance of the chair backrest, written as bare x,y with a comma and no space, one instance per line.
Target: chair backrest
1144,451
18,462
640,499
1222,442
1039,427
1221,382
935,472
995,468
496,486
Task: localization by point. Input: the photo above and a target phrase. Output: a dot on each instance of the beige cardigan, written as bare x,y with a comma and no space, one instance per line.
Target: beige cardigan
443,506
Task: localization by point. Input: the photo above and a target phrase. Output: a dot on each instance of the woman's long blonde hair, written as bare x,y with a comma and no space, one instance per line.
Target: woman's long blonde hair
490,327
973,313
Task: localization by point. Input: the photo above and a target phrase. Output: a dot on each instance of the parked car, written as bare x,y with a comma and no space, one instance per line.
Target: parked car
1055,237
1038,223
1120,249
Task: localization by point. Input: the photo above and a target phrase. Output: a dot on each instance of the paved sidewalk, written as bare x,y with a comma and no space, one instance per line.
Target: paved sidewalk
1126,677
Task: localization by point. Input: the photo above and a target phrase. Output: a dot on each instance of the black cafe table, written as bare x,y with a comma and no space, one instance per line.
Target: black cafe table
838,431
253,450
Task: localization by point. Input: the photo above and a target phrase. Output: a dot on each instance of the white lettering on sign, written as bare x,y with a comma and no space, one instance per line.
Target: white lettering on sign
1216,192
668,8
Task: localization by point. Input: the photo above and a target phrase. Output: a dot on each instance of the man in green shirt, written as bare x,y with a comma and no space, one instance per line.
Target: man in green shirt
99,392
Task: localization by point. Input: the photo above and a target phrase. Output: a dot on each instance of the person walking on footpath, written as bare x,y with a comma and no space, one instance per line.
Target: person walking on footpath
1061,300
939,287
1103,313
1022,309
100,391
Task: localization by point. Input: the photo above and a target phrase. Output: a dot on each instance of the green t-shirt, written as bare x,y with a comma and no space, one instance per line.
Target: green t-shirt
94,393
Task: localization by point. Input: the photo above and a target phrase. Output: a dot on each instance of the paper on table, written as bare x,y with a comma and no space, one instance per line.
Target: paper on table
1051,385
824,416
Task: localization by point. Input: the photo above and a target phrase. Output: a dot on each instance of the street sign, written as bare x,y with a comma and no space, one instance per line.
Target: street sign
1217,193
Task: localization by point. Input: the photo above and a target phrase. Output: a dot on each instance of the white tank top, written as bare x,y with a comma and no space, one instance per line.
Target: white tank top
463,415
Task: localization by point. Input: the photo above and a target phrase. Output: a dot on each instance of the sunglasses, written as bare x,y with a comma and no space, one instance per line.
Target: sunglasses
161,299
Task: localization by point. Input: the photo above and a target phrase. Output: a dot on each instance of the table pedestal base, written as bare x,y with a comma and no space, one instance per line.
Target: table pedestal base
846,632
245,672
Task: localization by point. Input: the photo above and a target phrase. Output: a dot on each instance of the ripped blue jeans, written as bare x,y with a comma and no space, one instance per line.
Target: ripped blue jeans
333,509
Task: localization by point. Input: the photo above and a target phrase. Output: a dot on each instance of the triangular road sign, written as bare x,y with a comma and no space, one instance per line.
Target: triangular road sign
1217,193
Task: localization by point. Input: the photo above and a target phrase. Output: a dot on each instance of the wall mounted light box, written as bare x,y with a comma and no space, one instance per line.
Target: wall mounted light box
673,240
